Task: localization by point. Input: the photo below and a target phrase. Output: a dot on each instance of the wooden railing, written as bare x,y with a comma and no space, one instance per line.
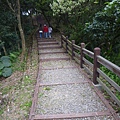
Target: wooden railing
80,55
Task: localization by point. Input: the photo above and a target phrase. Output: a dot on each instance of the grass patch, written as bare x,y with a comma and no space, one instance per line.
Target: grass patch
47,88
26,105
1,111
6,90
27,80
41,94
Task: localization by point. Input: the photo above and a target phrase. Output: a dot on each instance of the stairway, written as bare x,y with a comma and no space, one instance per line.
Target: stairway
63,91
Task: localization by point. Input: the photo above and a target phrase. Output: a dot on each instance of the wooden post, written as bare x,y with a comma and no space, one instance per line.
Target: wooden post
66,42
96,65
73,42
82,54
61,41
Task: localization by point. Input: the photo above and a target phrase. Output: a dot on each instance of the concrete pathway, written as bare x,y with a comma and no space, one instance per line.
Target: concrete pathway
63,90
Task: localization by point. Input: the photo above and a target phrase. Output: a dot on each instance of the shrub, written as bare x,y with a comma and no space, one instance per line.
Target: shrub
5,66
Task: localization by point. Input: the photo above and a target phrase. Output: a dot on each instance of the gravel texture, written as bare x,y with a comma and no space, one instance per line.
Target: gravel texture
51,50
61,76
42,46
58,55
56,97
58,64
65,99
47,42
92,118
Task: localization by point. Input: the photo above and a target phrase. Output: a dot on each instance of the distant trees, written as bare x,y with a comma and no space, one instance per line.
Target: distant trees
42,7
74,14
15,23
13,26
9,38
95,22
15,8
104,31
89,21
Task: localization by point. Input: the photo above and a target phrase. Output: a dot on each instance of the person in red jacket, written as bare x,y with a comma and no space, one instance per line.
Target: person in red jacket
45,30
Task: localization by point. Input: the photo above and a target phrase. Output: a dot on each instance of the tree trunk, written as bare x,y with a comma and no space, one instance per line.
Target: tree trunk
21,30
5,52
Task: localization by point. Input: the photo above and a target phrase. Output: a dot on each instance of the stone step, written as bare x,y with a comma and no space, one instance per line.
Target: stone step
61,76
48,43
58,64
67,99
49,46
57,55
46,40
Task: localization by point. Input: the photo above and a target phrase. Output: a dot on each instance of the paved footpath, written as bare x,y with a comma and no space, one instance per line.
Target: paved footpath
63,90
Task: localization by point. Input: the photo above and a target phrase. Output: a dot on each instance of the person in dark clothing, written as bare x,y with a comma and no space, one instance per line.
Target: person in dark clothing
40,31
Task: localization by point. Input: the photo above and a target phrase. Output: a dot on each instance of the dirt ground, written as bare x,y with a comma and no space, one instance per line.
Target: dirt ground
16,91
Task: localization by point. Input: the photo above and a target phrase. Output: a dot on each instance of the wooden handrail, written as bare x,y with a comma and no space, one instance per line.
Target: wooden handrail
89,53
98,60
114,68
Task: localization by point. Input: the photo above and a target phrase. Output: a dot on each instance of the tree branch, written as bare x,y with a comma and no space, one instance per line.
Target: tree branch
9,4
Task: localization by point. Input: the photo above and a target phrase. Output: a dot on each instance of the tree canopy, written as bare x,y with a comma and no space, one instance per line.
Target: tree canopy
89,21
95,22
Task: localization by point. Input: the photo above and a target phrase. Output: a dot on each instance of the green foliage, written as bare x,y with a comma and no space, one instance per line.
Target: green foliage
6,72
62,6
1,66
27,25
118,95
26,105
77,34
1,46
11,41
5,66
17,65
104,31
6,90
47,88
73,15
27,80
8,32
111,75
7,19
114,77
14,55
41,94
1,111
6,61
